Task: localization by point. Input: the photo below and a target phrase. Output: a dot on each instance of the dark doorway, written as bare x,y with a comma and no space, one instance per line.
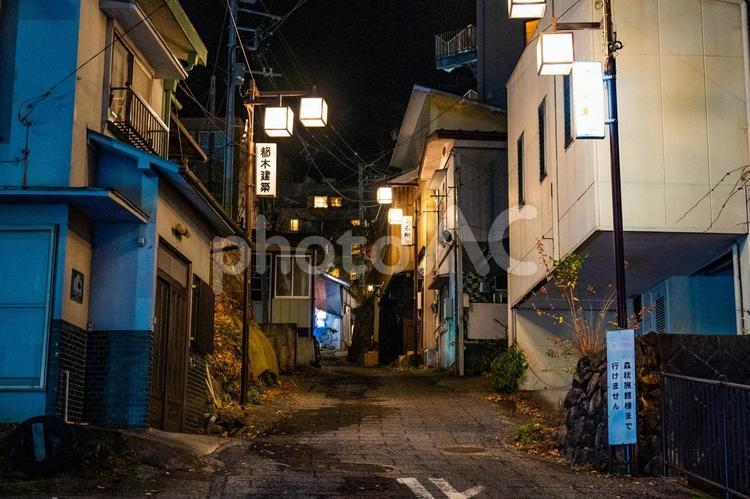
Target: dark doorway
170,344
396,331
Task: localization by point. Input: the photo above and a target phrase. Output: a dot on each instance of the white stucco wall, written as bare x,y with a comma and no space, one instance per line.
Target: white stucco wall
683,127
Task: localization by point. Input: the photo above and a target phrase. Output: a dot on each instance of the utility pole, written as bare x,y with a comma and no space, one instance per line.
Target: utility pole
229,115
361,192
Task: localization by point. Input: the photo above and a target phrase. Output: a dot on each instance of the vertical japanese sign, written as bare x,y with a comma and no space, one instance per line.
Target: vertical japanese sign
265,170
587,95
407,231
621,381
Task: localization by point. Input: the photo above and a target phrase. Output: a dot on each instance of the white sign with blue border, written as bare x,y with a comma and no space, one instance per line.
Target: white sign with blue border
621,384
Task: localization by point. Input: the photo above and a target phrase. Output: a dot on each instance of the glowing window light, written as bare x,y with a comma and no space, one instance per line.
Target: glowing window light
320,202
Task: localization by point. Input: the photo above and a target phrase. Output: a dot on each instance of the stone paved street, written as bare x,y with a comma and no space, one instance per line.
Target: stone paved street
379,433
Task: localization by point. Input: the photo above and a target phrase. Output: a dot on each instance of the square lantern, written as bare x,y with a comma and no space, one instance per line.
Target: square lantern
554,54
313,112
294,225
395,215
279,121
526,9
385,195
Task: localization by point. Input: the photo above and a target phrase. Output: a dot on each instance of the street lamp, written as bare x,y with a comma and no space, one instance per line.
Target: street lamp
313,112
385,195
526,9
279,121
395,216
554,54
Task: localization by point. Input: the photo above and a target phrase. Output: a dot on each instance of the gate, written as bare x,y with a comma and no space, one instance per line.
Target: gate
706,431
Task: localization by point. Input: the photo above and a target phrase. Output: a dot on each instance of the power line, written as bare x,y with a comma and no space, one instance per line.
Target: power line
49,91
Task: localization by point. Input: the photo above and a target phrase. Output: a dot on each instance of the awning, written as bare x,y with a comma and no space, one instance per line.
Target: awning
105,205
140,29
328,296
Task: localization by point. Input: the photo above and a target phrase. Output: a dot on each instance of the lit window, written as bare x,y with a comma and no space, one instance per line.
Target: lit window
336,202
292,278
356,222
320,202
294,225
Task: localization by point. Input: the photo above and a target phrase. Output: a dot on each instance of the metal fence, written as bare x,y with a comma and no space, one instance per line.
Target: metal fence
137,122
706,432
456,42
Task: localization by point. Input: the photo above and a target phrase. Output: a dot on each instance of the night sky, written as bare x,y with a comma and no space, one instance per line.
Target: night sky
363,57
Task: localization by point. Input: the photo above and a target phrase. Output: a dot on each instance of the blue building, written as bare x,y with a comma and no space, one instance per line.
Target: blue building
105,244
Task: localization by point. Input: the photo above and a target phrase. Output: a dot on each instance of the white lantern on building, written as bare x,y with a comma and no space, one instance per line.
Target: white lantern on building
279,121
395,215
385,195
313,112
554,54
526,9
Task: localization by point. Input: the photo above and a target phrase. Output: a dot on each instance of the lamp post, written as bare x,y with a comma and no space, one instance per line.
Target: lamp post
554,52
610,80
278,122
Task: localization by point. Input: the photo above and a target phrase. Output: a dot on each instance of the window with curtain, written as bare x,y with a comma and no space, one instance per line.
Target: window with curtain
292,279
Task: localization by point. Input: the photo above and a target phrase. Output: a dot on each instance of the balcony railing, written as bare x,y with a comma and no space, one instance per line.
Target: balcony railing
456,48
135,122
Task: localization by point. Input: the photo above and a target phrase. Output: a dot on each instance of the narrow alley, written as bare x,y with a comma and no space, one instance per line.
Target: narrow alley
381,433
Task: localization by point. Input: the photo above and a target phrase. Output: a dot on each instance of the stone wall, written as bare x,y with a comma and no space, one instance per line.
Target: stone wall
583,431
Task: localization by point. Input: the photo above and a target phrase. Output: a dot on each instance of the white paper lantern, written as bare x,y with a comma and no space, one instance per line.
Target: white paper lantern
313,112
385,195
526,9
279,121
395,215
554,54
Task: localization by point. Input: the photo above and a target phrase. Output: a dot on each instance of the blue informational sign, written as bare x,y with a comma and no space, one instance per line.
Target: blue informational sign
621,384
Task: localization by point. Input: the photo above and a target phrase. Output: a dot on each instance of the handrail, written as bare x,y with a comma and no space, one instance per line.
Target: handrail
456,42
137,121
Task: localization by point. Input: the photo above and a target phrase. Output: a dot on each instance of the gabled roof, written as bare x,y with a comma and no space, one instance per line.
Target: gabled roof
430,110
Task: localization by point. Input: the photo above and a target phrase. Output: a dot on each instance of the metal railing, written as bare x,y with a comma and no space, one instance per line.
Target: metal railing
706,431
456,42
137,122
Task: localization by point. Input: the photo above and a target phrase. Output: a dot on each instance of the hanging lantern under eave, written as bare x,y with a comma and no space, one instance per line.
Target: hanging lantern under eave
279,121
385,195
554,54
313,112
526,9
395,216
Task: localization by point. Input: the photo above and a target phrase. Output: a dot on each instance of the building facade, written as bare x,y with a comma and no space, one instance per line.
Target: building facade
446,292
105,245
682,89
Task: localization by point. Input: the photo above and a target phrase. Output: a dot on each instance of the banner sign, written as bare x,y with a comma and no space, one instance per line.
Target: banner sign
587,99
407,231
265,170
621,382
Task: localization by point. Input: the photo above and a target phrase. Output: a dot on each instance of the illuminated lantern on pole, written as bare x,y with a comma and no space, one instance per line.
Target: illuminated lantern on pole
395,215
554,54
526,9
279,121
313,112
385,195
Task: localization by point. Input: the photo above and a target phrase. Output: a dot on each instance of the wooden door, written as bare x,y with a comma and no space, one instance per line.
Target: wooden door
170,354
